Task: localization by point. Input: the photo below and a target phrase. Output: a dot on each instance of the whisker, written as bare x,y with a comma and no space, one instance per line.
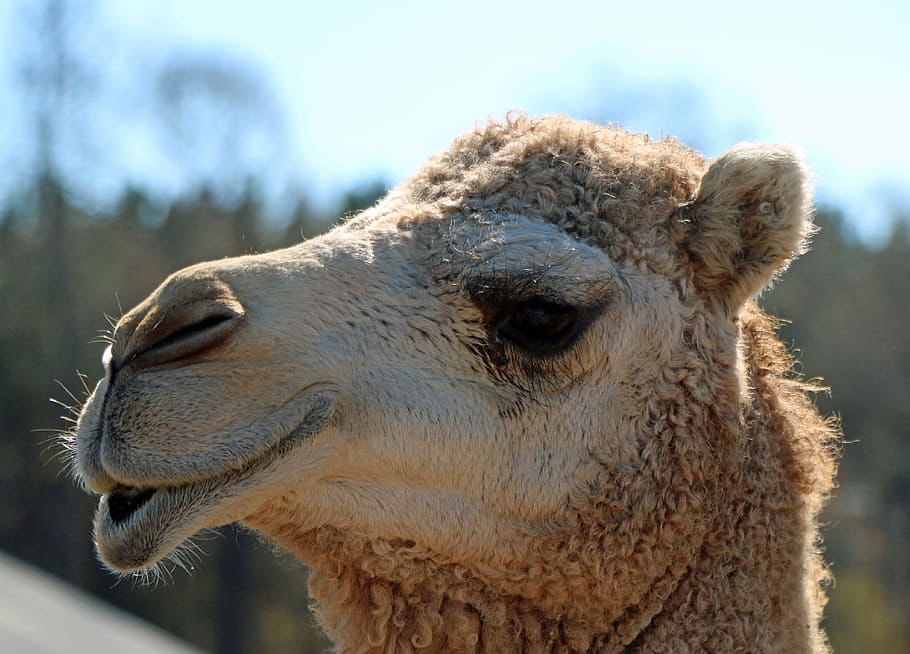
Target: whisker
119,577
68,392
83,379
54,400
53,444
68,468
209,534
50,430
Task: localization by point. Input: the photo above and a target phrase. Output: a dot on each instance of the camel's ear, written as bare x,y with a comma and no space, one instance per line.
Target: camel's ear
752,215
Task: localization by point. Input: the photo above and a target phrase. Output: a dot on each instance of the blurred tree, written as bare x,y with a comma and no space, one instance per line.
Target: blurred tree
304,223
246,220
56,81
57,85
221,122
362,197
849,311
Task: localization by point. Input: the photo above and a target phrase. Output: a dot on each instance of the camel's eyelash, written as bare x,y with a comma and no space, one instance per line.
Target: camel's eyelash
498,299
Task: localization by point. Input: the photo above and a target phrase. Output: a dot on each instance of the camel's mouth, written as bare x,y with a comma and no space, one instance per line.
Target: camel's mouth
124,501
137,527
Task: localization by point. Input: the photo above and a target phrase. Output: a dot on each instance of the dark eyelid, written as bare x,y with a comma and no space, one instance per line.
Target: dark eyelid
499,306
494,294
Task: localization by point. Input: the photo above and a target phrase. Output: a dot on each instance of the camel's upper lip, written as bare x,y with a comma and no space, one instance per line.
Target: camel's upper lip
107,459
137,526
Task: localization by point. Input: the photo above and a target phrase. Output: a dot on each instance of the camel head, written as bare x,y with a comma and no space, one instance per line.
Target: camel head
526,365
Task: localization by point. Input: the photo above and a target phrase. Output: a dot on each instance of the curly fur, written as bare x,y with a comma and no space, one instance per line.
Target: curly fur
747,578
713,539
651,486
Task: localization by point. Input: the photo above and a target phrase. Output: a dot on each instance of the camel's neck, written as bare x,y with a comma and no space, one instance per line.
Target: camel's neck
754,586
750,586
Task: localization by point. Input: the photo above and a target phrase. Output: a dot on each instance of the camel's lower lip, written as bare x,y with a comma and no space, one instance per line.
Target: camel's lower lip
137,527
134,529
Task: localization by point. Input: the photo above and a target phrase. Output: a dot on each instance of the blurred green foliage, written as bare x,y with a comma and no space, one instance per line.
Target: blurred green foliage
59,277
849,311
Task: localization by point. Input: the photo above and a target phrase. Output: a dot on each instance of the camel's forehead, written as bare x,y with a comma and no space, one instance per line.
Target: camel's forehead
604,186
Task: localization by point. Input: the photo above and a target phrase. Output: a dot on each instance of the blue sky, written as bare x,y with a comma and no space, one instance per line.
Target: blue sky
372,89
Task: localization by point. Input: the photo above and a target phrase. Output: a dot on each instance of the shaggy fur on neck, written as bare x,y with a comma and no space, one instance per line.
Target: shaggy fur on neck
746,576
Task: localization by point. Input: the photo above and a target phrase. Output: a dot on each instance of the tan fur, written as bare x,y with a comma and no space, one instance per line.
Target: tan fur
654,488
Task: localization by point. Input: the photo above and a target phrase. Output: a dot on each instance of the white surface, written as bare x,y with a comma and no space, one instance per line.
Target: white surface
40,614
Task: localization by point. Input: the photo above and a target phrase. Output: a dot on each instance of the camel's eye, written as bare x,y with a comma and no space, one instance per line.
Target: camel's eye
540,326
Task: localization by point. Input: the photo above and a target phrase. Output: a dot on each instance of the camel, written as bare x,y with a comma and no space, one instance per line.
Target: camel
525,403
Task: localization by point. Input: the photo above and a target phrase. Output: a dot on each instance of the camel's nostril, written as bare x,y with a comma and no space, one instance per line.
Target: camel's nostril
185,333
189,332
184,317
